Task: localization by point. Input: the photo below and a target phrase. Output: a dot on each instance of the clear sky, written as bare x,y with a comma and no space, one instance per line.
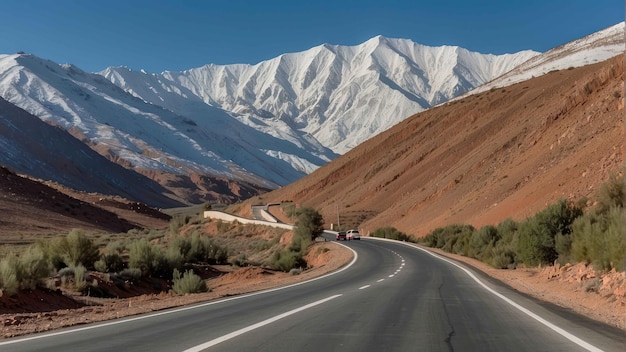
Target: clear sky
159,35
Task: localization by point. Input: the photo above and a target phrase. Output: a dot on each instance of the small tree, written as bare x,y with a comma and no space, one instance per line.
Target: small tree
310,223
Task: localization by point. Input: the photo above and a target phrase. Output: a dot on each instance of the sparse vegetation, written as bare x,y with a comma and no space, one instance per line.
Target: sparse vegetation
188,283
392,233
561,232
309,225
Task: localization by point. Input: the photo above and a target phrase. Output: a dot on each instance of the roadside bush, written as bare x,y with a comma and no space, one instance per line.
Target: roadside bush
75,249
177,222
202,249
74,276
24,271
174,258
109,263
33,266
290,210
439,237
188,283
391,233
612,194
80,277
600,240
502,255
148,258
536,244
286,260
9,275
482,241
309,224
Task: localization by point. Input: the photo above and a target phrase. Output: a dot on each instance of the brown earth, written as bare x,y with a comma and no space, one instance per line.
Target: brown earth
32,208
506,153
40,310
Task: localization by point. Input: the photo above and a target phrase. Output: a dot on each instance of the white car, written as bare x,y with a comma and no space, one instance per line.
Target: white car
353,235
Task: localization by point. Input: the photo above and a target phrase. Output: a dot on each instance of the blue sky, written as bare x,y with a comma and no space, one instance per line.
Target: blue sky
176,35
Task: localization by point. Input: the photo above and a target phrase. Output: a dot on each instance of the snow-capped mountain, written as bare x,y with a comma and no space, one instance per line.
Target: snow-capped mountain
33,147
267,124
340,95
198,138
590,49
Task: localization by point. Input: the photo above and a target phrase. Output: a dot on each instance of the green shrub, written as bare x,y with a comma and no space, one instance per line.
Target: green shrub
24,271
80,277
439,237
309,224
612,194
75,249
599,239
174,258
290,210
33,266
188,283
503,255
391,233
109,263
9,275
536,244
286,260
74,276
177,222
148,258
206,250
481,241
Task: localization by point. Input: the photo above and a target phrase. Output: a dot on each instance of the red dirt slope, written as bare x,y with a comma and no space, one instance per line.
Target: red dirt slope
504,153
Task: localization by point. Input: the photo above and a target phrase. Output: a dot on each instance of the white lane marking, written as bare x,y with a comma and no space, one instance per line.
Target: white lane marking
575,339
381,280
363,287
391,275
128,320
256,326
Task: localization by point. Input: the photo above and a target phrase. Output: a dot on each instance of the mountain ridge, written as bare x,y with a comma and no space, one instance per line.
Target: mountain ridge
504,153
172,128
328,90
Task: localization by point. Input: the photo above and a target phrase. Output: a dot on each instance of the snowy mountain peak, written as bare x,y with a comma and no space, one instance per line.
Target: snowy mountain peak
590,49
269,123
341,95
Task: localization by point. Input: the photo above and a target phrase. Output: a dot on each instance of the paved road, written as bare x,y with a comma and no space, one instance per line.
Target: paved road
393,298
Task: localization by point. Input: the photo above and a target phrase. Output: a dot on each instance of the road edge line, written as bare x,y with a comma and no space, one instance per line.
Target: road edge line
575,339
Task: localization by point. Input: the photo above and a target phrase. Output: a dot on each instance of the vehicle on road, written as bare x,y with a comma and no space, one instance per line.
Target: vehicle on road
353,235
341,236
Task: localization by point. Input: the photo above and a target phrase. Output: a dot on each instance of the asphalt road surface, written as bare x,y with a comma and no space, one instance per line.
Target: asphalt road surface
393,297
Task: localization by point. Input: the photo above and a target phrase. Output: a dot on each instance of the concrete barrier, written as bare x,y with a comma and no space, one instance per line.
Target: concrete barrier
213,214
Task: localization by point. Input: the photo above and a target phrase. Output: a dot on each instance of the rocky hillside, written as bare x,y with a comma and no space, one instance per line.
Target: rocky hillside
31,208
507,152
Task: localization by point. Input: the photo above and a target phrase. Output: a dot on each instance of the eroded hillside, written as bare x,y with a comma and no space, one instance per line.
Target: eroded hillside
31,208
504,153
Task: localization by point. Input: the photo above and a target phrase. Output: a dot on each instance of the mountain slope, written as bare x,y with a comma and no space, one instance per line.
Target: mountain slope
33,147
593,48
32,210
30,146
146,136
503,153
341,95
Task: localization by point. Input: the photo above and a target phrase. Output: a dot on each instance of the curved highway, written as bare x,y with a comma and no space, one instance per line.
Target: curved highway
393,297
